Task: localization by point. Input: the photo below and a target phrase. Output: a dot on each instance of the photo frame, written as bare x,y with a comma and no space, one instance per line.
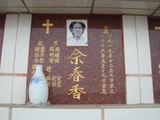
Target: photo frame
77,32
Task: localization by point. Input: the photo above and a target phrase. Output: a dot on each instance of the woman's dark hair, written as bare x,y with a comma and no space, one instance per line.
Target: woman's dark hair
74,22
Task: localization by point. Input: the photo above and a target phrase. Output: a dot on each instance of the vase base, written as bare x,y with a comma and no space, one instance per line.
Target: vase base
46,104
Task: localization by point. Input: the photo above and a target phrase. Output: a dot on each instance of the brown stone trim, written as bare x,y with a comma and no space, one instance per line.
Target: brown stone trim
138,75
13,74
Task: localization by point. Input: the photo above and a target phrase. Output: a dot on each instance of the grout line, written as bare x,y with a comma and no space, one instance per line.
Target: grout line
10,113
138,58
13,74
155,11
92,6
102,114
25,5
12,89
138,75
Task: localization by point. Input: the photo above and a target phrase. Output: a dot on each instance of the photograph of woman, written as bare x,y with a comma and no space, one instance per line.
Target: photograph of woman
77,33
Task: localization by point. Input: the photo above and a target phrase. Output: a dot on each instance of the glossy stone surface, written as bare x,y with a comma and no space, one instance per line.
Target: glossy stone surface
100,64
154,36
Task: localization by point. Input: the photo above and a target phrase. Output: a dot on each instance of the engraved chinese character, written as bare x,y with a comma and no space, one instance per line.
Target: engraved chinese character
102,40
111,72
103,80
102,36
103,61
55,43
51,54
103,51
112,91
76,55
103,55
59,81
40,43
103,75
49,68
104,91
111,85
51,49
76,91
104,86
48,78
76,74
110,41
56,60
57,49
102,66
54,83
111,79
57,54
105,30
41,60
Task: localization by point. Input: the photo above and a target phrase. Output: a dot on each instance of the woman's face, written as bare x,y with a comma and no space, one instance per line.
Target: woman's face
77,30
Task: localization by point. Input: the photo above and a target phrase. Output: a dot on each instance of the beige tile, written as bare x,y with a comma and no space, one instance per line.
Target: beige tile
9,42
4,113
56,114
143,45
132,114
19,90
146,87
133,90
5,89
22,44
130,45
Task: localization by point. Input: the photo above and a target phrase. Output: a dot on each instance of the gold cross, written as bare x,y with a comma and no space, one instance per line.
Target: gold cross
157,27
47,24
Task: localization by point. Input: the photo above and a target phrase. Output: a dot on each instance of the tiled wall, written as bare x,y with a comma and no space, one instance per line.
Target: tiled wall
132,114
13,73
4,113
56,114
14,61
137,60
79,114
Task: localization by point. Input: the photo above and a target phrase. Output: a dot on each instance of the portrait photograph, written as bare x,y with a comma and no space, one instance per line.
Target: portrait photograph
77,33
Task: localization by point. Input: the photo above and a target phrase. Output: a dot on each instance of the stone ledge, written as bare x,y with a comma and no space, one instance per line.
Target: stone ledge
96,106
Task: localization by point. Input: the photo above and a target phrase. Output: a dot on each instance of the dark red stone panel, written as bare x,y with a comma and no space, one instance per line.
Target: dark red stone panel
91,68
2,22
154,36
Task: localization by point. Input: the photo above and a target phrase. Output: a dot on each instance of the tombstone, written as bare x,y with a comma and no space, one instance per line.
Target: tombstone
80,74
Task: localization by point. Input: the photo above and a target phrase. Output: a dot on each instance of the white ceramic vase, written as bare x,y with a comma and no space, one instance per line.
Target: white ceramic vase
38,88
